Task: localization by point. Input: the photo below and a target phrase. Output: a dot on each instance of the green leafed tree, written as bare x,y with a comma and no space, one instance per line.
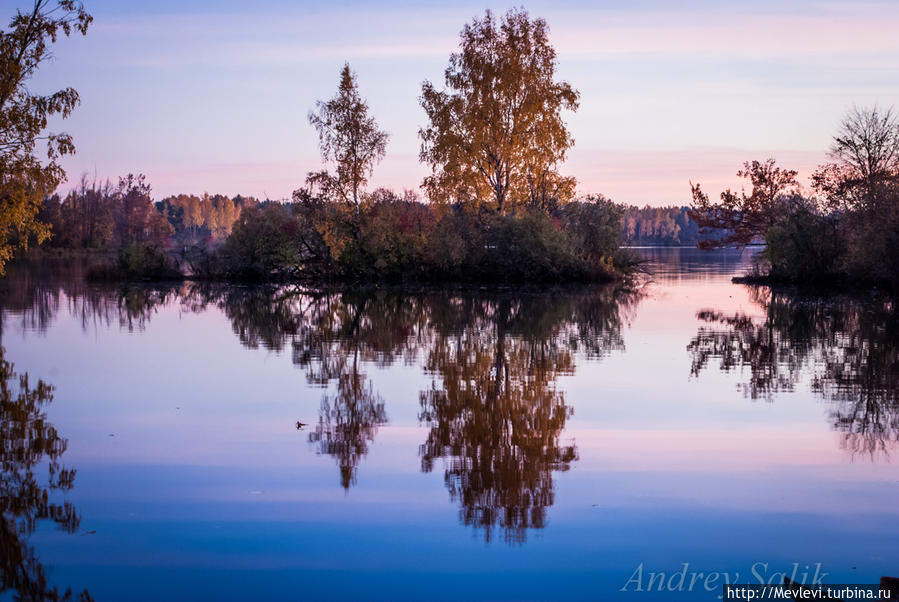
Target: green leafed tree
25,179
496,136
349,139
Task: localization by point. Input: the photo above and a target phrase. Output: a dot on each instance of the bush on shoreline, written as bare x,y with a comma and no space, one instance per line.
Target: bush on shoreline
396,239
138,262
846,233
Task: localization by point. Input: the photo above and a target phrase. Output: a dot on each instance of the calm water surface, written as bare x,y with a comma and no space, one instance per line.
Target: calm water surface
237,443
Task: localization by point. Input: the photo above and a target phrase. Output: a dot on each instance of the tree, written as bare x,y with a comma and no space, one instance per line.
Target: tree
349,138
24,180
861,185
137,219
866,167
743,218
31,447
496,135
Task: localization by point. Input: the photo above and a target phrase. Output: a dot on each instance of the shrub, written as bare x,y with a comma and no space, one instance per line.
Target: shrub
457,246
139,261
272,241
389,237
595,226
872,245
804,245
393,236
530,246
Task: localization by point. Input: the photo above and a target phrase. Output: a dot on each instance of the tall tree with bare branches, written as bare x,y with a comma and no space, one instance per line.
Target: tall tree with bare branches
865,151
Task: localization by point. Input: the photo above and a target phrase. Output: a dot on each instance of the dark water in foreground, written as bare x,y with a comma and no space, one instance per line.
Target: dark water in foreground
562,445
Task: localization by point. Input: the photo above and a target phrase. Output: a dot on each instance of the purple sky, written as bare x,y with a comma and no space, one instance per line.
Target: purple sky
213,96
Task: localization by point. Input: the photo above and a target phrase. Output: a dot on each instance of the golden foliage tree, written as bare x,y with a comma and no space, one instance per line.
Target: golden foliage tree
496,135
24,179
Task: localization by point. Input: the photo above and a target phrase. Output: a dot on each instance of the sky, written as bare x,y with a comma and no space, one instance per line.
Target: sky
214,96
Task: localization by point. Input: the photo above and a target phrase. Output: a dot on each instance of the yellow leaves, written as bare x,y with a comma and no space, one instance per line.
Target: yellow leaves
22,188
335,238
496,137
23,118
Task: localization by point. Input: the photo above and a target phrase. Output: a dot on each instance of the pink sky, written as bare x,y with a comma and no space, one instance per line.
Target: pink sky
213,97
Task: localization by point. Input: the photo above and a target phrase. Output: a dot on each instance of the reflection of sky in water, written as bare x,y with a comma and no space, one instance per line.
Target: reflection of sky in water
206,488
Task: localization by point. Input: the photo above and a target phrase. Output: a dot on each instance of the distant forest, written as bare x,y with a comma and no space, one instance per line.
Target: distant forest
661,226
107,216
103,215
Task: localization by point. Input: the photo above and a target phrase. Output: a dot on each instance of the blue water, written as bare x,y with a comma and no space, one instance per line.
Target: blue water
571,444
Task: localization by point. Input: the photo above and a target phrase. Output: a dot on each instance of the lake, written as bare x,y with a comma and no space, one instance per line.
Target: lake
236,443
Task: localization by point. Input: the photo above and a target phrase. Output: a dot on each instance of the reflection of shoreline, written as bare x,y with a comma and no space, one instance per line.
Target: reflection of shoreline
30,441
846,349
687,264
495,412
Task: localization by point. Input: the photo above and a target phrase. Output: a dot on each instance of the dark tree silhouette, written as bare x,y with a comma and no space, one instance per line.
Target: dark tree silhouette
29,440
845,349
865,171
739,219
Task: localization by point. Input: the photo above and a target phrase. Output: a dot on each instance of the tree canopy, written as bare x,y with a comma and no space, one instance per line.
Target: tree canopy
866,161
349,138
496,135
24,179
744,217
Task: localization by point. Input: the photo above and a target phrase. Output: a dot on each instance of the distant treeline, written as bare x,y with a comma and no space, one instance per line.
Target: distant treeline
668,226
386,236
98,215
103,215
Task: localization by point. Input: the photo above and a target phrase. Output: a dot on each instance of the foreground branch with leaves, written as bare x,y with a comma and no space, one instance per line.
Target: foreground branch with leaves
24,178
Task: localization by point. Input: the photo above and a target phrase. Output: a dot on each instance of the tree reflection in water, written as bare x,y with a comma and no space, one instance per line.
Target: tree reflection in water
30,443
348,422
496,416
847,349
495,412
331,335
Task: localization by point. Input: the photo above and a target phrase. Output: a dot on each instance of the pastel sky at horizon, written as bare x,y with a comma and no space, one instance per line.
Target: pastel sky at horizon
213,96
